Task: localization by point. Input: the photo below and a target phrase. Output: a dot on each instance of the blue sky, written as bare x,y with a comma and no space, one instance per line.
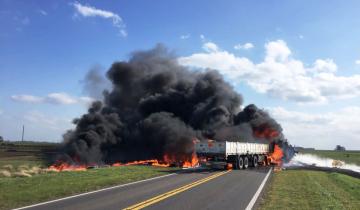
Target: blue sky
300,60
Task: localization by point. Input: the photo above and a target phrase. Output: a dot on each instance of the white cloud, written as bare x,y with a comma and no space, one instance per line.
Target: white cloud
279,74
277,51
357,62
52,98
89,11
210,47
326,65
85,100
185,36
42,12
60,98
27,98
301,36
323,130
245,46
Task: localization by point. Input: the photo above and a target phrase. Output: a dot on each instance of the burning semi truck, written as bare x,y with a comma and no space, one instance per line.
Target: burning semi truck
154,108
237,155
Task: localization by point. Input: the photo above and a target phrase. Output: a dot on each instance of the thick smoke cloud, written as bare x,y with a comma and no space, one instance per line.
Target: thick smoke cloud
156,107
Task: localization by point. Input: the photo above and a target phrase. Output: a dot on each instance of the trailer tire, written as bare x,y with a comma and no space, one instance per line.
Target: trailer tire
239,163
255,161
246,162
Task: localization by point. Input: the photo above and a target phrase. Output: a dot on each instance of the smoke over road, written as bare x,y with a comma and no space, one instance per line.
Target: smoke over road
157,107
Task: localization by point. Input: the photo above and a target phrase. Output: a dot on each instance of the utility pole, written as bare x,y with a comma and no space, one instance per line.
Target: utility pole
22,136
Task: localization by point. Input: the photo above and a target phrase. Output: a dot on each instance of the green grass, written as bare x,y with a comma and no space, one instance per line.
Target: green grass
26,153
28,146
302,189
16,192
22,160
347,156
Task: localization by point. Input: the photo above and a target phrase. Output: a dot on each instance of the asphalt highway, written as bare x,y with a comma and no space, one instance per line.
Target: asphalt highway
192,189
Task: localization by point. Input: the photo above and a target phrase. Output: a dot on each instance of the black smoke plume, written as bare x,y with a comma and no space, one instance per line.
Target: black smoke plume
156,106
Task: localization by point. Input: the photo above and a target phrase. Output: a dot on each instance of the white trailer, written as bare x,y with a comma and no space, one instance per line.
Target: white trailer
222,154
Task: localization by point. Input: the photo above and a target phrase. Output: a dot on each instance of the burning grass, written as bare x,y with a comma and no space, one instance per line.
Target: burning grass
302,189
167,161
16,192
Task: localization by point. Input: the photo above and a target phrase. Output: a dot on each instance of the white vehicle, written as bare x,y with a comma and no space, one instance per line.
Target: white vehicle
226,154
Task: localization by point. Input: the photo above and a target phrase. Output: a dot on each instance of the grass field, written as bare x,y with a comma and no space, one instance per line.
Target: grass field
302,189
28,153
20,191
16,192
347,156
29,160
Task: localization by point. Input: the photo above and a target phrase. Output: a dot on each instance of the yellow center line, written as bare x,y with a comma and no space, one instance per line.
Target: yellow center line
163,196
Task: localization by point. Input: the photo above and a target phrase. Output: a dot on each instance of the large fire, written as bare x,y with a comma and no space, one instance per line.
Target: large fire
184,161
265,132
167,161
277,155
152,162
62,166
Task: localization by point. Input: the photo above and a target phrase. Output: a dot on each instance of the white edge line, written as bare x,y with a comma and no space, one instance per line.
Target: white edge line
256,195
87,193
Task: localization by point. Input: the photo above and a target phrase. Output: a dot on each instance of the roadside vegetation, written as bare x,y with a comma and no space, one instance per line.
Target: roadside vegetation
28,160
20,191
26,153
23,180
303,189
25,159
351,157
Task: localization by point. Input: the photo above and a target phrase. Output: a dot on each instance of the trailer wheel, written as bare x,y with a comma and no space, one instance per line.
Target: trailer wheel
255,161
246,162
239,163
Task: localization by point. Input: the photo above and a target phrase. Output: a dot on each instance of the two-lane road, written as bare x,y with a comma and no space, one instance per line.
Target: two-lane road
187,190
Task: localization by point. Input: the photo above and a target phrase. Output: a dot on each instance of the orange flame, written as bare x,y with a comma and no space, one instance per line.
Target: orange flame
182,161
168,160
192,163
152,162
266,133
66,167
277,155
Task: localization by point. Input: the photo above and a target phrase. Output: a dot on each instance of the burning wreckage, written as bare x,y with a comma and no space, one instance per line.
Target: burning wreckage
157,111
